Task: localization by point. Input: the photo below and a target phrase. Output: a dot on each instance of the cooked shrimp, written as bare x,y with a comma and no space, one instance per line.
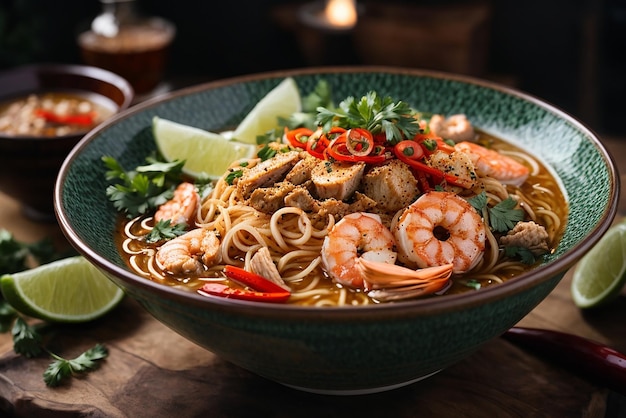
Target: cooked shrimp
190,252
440,228
455,127
182,207
392,282
491,163
356,235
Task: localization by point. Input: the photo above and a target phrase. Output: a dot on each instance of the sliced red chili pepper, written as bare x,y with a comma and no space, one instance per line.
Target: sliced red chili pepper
338,150
317,143
252,280
410,149
76,119
298,137
222,290
432,143
359,142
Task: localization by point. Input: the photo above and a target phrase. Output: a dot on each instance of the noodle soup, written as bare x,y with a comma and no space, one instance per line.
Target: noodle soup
295,237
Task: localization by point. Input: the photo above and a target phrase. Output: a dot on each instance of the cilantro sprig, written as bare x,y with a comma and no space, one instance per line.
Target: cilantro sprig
137,192
503,216
15,255
374,113
60,369
163,230
28,342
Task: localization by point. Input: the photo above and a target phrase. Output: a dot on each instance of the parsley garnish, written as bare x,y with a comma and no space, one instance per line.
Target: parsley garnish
27,341
524,254
139,191
61,368
230,177
503,216
14,255
473,283
376,114
266,153
163,230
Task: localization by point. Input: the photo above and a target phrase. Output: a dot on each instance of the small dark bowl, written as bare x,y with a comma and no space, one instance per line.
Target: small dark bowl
29,164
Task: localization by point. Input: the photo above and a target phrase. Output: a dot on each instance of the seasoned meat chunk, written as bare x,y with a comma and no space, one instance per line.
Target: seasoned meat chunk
336,180
391,185
301,172
528,235
266,173
270,199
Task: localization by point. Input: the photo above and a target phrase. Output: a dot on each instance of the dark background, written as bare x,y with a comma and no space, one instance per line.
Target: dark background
570,53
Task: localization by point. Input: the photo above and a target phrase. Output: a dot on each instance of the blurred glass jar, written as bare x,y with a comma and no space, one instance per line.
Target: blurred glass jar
128,44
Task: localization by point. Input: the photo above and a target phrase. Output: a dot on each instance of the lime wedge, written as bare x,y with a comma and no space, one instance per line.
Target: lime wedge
601,273
67,290
205,153
282,101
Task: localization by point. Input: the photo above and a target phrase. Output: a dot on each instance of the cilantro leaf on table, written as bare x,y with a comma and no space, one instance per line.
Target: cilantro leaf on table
61,369
137,192
14,254
26,339
377,115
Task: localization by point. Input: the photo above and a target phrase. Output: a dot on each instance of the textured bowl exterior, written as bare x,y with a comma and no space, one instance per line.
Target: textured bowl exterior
29,165
355,349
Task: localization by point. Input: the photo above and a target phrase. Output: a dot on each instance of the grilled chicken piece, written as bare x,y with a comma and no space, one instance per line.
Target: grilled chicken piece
300,197
301,172
391,185
336,180
261,263
267,172
270,199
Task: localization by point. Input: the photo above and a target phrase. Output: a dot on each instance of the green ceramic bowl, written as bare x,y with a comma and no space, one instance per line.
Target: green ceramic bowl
355,349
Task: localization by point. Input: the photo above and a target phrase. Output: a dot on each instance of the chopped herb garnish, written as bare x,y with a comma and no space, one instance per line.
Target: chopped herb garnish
230,177
26,339
376,114
503,216
524,254
28,342
14,254
163,230
473,283
266,153
139,191
61,369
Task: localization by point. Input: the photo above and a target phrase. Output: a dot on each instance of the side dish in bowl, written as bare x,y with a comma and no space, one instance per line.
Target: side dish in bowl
381,231
45,109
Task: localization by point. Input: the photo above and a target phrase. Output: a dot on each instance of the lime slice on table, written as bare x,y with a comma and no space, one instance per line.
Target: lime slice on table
204,152
601,273
282,101
67,290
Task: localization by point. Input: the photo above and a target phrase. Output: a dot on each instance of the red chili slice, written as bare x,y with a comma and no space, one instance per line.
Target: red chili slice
252,280
298,137
222,290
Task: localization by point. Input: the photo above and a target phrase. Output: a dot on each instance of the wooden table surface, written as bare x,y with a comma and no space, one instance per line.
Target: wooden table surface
153,372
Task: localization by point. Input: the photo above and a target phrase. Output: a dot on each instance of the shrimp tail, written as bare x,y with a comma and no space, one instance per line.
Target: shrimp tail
387,282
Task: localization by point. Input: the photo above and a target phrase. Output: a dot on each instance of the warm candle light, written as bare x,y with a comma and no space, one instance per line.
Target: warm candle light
341,13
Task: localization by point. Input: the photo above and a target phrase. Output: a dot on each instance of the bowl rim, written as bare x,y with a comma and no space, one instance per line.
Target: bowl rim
79,70
416,307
